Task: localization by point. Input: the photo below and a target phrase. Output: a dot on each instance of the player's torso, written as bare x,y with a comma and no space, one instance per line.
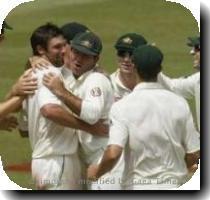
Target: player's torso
120,90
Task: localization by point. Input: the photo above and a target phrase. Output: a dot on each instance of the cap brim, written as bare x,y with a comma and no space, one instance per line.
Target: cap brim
124,48
83,49
6,26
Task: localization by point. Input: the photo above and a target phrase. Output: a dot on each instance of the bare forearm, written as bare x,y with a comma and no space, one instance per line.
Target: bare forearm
109,160
62,117
10,105
192,159
73,102
10,94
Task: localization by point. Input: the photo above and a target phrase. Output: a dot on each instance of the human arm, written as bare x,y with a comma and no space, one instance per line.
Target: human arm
89,108
118,137
11,105
25,85
110,158
191,141
192,160
56,85
182,86
38,62
59,115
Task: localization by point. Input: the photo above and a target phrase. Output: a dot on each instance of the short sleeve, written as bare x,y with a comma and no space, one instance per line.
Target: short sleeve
98,94
182,86
118,133
191,136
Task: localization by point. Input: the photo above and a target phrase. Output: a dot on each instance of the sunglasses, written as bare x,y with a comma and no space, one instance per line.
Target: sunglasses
124,53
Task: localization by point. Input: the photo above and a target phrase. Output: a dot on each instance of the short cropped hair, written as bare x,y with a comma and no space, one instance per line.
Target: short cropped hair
42,35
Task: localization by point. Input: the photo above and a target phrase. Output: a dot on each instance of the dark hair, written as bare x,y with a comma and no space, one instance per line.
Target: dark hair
42,35
149,73
70,30
148,60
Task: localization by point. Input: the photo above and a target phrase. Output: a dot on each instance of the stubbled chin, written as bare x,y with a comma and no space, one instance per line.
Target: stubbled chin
126,70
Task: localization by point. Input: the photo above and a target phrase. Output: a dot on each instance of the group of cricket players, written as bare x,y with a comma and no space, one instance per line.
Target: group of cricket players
88,130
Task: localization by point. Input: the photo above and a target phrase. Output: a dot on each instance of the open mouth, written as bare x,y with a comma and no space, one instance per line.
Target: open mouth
78,66
126,66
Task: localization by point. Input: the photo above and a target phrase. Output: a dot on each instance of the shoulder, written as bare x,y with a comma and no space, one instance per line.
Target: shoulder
97,77
121,105
193,77
113,76
40,73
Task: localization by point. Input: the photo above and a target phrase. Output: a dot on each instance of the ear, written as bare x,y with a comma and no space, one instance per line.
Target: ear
96,58
41,50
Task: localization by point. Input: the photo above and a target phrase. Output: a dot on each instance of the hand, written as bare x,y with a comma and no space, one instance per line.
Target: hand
38,62
193,168
53,83
101,129
26,85
92,172
8,123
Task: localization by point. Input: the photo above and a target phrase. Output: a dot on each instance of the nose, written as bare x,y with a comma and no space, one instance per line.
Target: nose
127,57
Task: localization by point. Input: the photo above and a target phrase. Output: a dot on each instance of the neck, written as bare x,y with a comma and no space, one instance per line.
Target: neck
141,80
128,80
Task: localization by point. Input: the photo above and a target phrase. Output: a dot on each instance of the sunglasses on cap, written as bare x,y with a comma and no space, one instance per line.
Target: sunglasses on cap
123,53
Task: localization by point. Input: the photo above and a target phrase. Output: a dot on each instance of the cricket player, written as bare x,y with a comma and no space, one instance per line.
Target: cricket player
90,95
124,79
160,141
190,86
70,30
55,163
13,103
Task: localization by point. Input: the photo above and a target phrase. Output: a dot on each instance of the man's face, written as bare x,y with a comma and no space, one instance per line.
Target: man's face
81,63
195,52
56,50
67,56
125,62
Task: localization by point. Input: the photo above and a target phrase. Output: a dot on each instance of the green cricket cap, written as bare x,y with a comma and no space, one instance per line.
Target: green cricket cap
70,30
5,26
87,43
129,42
194,41
147,56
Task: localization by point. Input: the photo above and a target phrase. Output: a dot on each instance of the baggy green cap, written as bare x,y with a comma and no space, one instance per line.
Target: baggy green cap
194,41
147,57
70,30
87,43
129,42
5,26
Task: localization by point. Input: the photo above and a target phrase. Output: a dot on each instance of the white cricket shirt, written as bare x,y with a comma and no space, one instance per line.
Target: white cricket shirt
46,137
119,89
96,93
187,87
156,130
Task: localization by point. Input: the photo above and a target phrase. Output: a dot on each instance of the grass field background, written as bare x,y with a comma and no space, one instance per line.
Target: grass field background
164,23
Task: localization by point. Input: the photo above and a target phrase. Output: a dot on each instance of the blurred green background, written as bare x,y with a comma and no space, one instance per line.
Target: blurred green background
164,23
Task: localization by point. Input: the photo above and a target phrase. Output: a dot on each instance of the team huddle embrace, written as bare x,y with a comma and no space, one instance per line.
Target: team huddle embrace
88,130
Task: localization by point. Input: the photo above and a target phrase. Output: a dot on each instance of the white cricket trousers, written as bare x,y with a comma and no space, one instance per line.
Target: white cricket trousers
57,172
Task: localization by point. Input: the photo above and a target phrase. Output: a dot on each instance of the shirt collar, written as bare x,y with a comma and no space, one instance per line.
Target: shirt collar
119,82
84,76
148,85
65,72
